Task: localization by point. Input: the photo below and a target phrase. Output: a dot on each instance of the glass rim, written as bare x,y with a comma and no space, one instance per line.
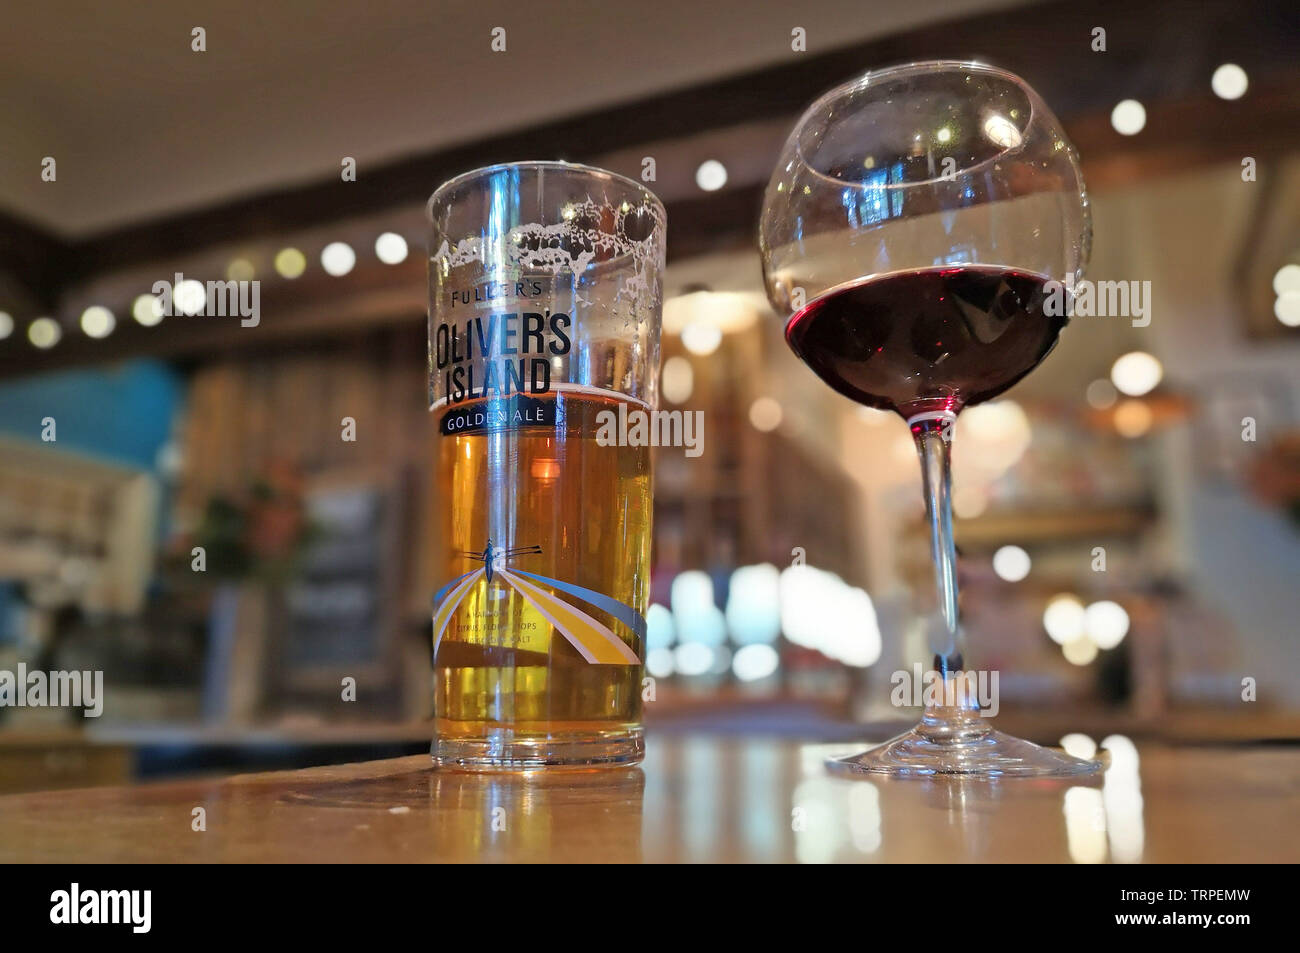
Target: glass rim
544,165
851,86
917,66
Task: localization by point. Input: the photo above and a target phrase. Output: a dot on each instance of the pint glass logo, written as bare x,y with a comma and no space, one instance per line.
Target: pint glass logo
494,558
594,640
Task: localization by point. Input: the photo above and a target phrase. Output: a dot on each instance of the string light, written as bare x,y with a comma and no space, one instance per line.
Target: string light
390,248
189,297
337,258
1128,117
97,321
147,310
290,263
711,175
1229,81
44,333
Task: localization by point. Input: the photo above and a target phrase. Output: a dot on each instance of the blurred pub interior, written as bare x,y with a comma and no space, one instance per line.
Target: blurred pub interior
1128,556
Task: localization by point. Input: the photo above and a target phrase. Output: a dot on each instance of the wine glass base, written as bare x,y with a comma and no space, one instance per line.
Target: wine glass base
973,752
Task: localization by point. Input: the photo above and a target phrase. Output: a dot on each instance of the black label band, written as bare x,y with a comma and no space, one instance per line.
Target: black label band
498,413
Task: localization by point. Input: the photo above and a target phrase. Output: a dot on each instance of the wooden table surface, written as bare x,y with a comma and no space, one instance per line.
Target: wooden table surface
694,799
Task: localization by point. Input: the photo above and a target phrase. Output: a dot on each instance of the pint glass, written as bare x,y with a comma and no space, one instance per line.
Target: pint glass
545,293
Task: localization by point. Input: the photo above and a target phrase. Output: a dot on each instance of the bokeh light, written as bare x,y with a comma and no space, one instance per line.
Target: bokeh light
44,332
1128,117
97,321
337,258
1011,563
1136,373
147,310
290,263
390,248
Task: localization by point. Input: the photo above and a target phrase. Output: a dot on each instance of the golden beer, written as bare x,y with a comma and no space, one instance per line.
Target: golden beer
581,512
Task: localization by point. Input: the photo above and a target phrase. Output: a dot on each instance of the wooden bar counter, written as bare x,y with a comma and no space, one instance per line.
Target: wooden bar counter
696,798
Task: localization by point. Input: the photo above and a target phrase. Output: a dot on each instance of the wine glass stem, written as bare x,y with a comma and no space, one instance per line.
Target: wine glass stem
933,435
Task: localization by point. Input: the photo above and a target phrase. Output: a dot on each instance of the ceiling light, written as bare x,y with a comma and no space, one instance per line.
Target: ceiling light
1106,623
1229,81
1136,373
44,332
147,310
97,321
189,296
290,263
1063,619
1128,117
390,248
711,175
1011,563
337,258
1286,279
701,339
1287,309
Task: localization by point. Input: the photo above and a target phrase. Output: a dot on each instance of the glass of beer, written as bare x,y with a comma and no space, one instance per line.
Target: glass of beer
545,295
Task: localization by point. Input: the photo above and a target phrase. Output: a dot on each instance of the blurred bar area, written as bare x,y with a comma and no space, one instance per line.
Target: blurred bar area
232,516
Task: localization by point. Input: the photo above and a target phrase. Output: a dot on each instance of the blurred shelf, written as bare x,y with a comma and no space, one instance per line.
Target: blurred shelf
786,714
289,733
1050,525
1174,726
54,759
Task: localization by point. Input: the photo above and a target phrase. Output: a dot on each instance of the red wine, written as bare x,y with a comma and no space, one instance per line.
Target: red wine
933,339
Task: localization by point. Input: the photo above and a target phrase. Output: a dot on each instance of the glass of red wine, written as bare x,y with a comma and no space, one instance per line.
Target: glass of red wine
921,230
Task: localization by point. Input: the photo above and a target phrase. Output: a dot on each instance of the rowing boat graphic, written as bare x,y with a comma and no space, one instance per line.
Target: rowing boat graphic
594,640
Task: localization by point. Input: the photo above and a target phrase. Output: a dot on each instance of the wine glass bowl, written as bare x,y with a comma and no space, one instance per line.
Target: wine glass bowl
914,231
914,171
917,166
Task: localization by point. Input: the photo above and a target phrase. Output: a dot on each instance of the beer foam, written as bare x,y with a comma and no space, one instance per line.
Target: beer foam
571,247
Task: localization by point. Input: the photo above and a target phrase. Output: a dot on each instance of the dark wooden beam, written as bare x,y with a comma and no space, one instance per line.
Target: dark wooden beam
372,295
1161,53
1155,50
1190,131
33,265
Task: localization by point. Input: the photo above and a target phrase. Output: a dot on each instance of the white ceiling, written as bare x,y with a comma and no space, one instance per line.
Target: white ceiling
141,126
